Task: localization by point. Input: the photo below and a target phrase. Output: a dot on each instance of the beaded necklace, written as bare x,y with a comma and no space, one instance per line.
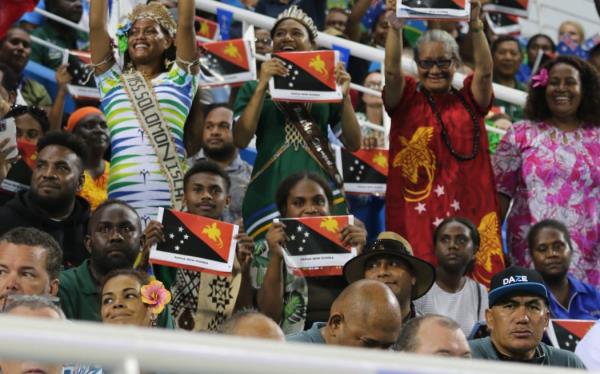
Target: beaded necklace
445,136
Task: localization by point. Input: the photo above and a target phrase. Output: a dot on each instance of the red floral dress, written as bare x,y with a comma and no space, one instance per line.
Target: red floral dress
427,183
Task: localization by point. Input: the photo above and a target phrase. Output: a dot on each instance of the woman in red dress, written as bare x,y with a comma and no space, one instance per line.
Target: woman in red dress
439,163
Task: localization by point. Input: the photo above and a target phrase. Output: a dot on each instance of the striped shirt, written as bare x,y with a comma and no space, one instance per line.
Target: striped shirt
135,173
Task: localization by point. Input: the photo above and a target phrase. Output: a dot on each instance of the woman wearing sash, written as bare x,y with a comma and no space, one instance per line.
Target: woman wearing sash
439,160
284,149
147,101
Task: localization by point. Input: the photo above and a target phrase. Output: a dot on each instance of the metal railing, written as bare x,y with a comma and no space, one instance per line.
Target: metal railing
128,349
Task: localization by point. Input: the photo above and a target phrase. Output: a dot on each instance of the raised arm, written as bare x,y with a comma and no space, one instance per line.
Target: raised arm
185,39
351,136
245,127
102,54
353,25
482,77
394,77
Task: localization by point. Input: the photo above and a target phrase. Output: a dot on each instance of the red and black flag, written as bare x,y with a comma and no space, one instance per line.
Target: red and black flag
311,77
434,9
364,171
512,7
83,86
194,242
11,11
314,246
227,62
503,24
206,28
566,333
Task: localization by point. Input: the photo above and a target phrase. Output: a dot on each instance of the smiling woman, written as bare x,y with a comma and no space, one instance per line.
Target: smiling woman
154,89
282,149
129,298
548,165
437,142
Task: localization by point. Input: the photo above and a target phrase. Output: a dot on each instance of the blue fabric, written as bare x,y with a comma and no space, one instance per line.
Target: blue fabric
584,302
34,17
524,73
312,335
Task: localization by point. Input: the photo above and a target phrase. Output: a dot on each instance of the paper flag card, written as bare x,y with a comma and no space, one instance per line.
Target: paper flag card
434,9
314,247
503,24
364,171
512,7
82,86
229,62
311,77
566,333
206,28
195,243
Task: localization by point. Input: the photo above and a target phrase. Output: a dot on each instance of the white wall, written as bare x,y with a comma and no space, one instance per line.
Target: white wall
547,15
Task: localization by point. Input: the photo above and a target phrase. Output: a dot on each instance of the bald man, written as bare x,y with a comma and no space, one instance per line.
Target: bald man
252,324
366,314
433,334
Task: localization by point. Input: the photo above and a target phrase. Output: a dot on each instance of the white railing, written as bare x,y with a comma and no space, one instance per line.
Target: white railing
130,349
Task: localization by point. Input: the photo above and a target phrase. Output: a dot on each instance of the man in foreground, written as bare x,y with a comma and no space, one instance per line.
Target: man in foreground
517,317
366,314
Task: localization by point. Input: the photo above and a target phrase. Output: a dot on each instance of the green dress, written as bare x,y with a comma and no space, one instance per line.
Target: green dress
281,152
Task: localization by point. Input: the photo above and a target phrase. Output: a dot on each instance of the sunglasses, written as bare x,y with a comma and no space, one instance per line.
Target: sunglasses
428,64
265,40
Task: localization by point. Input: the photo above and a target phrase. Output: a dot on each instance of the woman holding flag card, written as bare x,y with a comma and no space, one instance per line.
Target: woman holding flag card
439,163
291,137
146,101
296,299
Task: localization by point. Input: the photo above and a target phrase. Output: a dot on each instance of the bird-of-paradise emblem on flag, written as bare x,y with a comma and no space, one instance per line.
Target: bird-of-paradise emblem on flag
414,156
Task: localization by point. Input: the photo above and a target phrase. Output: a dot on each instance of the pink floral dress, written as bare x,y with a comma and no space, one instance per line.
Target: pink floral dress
555,174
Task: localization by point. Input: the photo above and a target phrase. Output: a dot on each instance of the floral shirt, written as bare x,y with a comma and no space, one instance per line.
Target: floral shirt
553,174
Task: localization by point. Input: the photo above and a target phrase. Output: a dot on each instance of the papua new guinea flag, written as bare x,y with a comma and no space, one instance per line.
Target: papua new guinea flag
83,85
206,28
433,9
311,77
227,62
314,246
566,333
364,171
444,4
514,7
195,242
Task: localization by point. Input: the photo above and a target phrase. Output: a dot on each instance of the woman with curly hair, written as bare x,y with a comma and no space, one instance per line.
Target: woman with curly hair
549,164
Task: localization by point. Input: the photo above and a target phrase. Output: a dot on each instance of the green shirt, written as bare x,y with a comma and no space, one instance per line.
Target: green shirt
545,354
281,152
35,94
80,297
51,57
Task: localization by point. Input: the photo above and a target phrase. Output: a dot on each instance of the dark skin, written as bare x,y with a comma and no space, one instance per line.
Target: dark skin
454,250
94,131
58,175
551,256
306,199
115,234
206,194
70,9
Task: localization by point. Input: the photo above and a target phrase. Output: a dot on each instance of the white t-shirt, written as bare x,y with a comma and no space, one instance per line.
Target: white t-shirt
461,306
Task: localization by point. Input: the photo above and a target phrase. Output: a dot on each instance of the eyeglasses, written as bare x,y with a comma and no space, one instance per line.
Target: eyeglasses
265,40
441,64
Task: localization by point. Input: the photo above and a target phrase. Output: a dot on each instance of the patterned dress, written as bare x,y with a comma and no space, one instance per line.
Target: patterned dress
281,151
135,173
553,174
426,183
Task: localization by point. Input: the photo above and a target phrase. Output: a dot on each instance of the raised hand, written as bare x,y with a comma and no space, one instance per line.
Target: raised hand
342,78
276,238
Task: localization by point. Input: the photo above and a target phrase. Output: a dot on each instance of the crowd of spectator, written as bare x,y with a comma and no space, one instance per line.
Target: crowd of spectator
79,203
